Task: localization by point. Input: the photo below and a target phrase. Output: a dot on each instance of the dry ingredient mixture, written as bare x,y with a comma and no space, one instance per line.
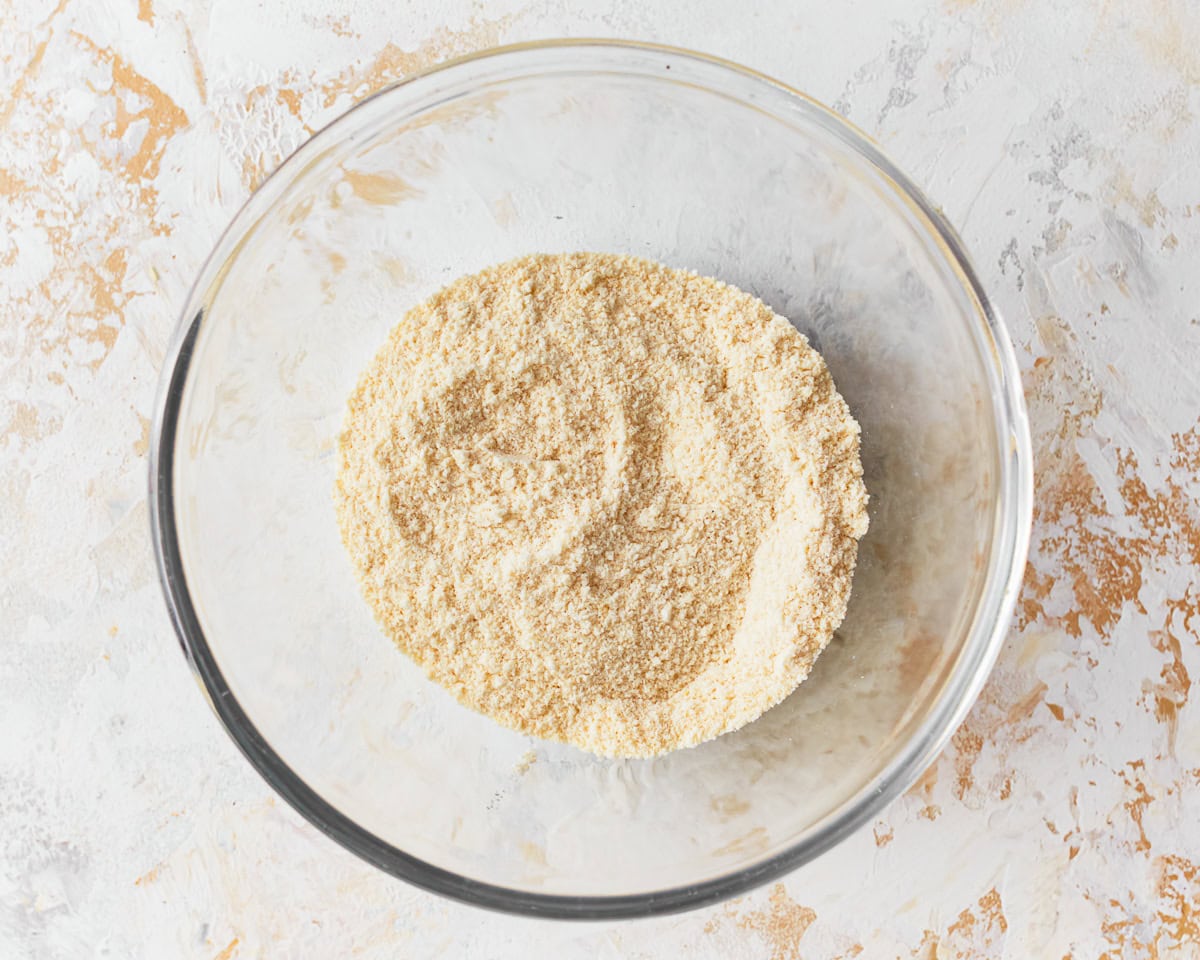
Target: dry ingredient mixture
603,501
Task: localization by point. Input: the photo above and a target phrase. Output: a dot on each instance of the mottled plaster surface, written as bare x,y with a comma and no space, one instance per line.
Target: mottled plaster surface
1062,139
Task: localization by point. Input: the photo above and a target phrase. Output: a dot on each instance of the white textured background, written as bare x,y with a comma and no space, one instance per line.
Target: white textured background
1063,139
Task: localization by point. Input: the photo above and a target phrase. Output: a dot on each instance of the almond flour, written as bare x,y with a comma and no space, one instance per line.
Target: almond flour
603,501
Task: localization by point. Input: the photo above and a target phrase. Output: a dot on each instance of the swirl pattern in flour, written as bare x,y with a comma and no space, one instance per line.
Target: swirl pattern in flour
603,501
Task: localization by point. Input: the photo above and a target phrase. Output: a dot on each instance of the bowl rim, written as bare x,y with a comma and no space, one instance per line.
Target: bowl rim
986,634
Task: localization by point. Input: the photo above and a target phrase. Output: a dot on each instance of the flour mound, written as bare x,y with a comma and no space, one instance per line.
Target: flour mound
603,501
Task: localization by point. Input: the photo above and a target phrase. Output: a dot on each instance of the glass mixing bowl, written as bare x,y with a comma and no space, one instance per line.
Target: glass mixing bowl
556,147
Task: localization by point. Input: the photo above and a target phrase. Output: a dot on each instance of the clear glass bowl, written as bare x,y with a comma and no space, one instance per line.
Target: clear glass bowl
583,146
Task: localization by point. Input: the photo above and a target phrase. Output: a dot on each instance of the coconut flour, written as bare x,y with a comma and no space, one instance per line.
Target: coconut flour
603,501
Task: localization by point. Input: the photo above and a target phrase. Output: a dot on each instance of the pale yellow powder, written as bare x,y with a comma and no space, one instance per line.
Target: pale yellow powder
603,501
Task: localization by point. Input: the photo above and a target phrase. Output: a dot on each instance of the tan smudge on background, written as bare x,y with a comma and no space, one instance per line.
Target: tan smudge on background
397,269
378,188
11,185
227,953
967,746
17,92
1060,385
197,64
1023,709
254,94
782,924
728,806
1104,568
290,100
263,152
261,155
106,287
998,718
526,761
978,933
1169,36
1080,537
1120,190
930,812
1168,928
141,446
394,63
990,916
255,168
1136,807
533,854
81,301
163,117
919,653
753,842
340,26
299,95
1170,694
924,789
1178,906
23,423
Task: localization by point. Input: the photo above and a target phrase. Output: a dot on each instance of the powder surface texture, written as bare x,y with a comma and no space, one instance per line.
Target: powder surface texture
603,501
